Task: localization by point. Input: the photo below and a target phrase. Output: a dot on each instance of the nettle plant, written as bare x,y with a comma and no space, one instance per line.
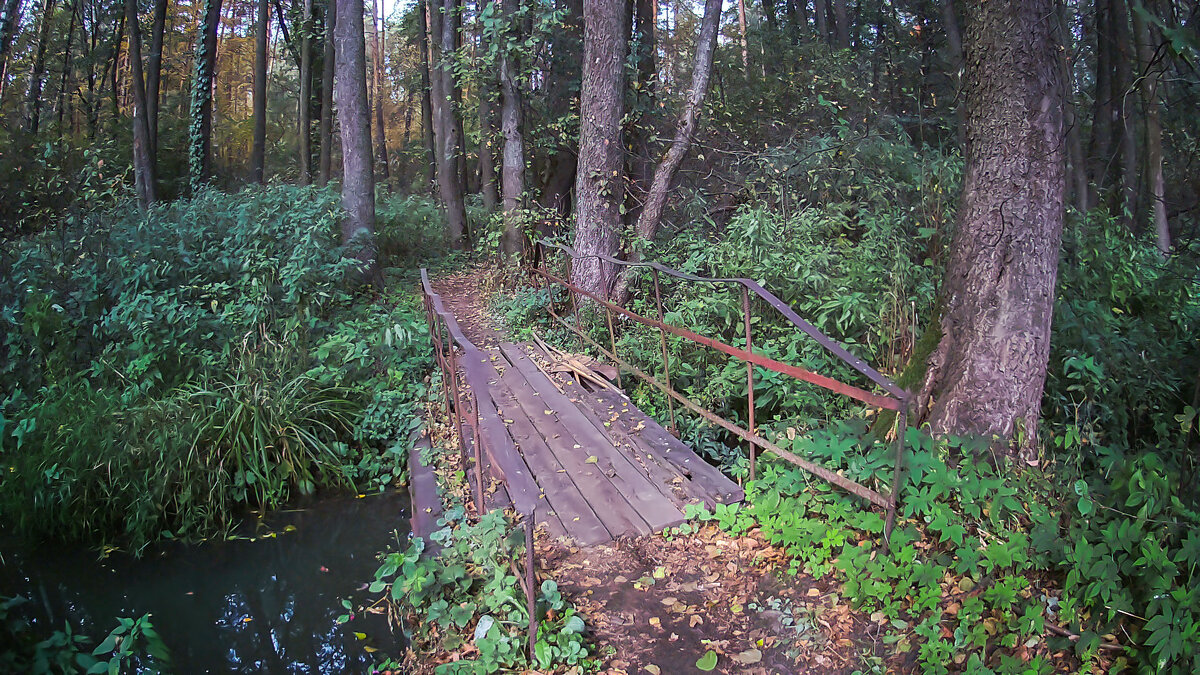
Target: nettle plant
467,594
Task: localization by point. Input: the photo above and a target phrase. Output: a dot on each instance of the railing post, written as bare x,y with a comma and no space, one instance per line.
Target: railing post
749,380
477,445
662,334
612,343
531,600
458,423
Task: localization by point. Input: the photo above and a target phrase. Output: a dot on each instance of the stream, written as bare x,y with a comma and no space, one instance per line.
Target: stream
264,603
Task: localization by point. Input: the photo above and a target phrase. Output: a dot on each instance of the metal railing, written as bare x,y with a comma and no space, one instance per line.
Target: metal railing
484,443
894,398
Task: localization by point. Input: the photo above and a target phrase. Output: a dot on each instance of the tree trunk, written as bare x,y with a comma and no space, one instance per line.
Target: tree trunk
987,371
1149,74
512,172
599,185
200,147
354,117
449,147
143,165
426,103
64,80
1123,90
304,112
1077,186
1100,146
742,35
820,16
325,125
842,21
10,20
377,50
258,154
154,73
656,199
33,100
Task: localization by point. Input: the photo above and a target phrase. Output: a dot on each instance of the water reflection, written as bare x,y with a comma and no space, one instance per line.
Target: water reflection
263,606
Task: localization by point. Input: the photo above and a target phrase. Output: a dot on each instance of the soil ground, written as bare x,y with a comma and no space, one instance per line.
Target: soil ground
659,603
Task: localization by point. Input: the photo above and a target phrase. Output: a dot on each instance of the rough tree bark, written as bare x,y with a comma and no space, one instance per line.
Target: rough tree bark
325,125
304,114
143,165
1149,74
258,153
200,133
154,73
10,19
354,117
377,53
426,104
664,173
449,145
512,171
599,185
987,372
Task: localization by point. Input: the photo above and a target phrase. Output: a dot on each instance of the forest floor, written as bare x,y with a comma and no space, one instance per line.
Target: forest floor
659,603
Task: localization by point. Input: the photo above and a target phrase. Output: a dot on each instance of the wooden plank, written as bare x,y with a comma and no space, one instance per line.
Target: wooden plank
563,499
664,476
618,517
652,436
619,483
424,499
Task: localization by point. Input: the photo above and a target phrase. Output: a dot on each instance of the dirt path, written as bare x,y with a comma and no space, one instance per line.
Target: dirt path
657,604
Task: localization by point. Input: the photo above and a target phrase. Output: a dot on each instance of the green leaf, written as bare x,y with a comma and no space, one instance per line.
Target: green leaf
708,661
1085,506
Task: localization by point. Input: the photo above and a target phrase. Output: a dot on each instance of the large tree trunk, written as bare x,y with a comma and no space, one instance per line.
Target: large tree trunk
664,173
599,185
512,172
325,125
200,148
143,165
358,181
304,113
986,374
449,145
154,73
258,154
427,123
380,130
37,73
1149,76
842,21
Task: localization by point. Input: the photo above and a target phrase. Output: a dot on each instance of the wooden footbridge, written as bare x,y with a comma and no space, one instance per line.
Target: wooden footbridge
544,433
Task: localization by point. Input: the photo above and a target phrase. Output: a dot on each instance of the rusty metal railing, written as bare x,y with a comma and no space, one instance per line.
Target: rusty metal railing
483,442
894,397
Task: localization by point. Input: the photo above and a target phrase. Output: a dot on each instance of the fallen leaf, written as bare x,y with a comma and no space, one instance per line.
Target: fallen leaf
652,669
654,621
708,661
592,459
748,657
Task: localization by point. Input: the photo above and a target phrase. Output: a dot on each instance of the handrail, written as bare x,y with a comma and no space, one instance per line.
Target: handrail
896,398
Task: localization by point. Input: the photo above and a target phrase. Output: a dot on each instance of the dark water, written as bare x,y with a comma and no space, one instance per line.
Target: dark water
267,605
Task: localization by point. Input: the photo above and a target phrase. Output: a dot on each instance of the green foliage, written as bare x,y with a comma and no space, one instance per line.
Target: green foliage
132,646
409,229
976,552
209,354
468,592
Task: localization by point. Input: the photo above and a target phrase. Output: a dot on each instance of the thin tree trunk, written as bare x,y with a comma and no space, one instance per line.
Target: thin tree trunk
65,77
377,85
10,20
119,35
1100,145
842,21
33,100
354,116
986,374
1077,186
325,126
143,165
512,170
821,16
488,181
599,185
200,147
304,113
742,35
954,41
426,104
1126,93
1149,74
664,173
259,152
154,73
